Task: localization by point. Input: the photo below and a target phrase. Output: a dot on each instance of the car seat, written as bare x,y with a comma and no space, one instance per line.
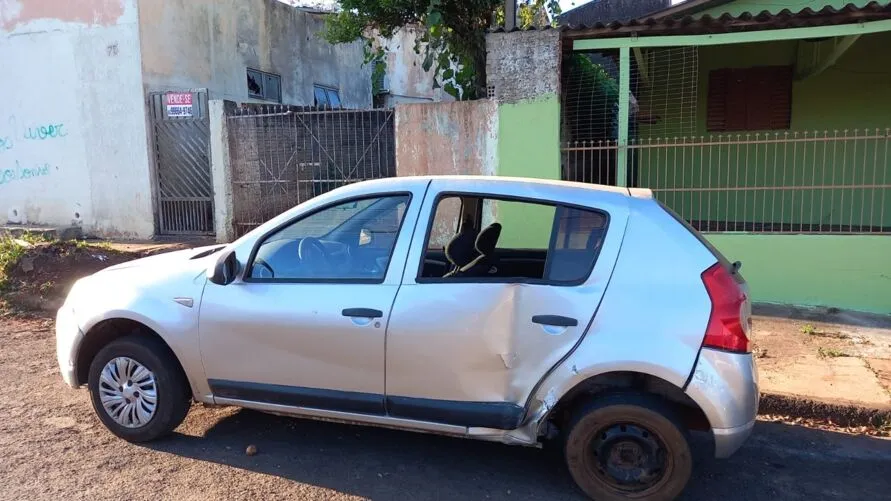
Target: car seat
484,262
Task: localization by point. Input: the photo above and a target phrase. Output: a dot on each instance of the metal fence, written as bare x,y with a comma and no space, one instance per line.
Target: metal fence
281,156
779,182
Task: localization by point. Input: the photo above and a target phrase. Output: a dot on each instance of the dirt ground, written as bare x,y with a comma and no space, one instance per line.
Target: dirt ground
52,447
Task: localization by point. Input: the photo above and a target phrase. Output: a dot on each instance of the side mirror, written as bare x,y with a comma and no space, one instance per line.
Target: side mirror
224,270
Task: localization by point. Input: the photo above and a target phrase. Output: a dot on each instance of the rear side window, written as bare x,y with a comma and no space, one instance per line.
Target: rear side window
507,240
579,236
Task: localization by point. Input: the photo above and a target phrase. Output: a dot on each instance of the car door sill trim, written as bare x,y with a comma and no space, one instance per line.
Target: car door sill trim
347,417
495,415
294,396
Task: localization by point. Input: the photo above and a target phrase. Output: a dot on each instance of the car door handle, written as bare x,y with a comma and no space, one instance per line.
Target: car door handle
362,313
555,320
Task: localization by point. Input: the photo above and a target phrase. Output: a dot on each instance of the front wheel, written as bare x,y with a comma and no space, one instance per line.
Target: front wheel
138,389
631,446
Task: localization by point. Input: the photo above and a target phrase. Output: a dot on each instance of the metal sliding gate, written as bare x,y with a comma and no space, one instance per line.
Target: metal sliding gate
181,130
283,155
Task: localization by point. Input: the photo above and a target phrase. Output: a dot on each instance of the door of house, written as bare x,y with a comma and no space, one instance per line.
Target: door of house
181,148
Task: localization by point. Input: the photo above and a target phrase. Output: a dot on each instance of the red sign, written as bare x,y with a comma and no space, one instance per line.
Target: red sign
179,98
179,104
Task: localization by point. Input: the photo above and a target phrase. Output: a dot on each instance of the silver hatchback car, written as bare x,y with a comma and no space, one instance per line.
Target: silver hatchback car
509,310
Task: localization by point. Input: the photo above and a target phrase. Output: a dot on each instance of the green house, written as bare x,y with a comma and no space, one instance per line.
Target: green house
768,129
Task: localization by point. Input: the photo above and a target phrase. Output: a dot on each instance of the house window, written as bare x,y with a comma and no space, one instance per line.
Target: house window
326,97
265,86
750,99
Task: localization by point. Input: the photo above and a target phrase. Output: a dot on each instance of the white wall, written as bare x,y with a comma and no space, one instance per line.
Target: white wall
72,130
211,43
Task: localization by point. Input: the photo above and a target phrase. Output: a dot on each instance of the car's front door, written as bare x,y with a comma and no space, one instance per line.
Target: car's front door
468,349
305,324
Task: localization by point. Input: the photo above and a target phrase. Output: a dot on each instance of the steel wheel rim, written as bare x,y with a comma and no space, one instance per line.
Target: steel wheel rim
128,392
629,458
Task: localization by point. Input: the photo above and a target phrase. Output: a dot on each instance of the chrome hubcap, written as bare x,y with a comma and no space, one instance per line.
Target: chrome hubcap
128,392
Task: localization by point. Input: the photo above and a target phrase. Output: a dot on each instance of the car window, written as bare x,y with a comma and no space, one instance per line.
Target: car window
348,241
579,237
445,222
512,240
524,225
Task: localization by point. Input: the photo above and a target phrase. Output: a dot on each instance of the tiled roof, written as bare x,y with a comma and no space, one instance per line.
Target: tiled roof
726,23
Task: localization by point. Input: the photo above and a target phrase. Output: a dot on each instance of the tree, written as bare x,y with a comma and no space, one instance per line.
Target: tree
452,33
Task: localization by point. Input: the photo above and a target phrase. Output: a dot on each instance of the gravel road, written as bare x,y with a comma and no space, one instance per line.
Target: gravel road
53,448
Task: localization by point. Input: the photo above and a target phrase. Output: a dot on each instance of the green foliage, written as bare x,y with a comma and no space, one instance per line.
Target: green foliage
601,96
10,252
452,39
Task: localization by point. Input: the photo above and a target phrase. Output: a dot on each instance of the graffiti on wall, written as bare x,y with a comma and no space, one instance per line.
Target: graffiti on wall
15,135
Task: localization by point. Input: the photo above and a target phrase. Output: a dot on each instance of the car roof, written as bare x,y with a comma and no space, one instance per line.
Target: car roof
476,183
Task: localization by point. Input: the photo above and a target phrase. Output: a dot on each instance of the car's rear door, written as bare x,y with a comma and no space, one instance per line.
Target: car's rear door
469,350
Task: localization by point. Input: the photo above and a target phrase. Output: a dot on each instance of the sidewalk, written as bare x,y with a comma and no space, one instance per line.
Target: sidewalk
842,372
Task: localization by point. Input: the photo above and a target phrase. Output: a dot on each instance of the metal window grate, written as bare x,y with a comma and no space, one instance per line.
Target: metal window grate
281,156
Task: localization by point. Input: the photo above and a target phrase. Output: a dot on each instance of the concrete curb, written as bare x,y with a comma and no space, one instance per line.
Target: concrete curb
840,413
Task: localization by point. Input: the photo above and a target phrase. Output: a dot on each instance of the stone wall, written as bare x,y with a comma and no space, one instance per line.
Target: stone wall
523,64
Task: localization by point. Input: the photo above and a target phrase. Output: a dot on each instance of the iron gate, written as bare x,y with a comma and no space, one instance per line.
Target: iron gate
181,130
282,155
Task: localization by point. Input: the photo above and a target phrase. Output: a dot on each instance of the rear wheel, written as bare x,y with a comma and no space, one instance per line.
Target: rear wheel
138,389
630,446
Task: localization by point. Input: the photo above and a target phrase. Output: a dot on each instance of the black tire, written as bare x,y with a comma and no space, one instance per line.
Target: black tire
610,436
171,386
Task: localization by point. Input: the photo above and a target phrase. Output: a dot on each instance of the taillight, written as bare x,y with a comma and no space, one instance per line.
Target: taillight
725,329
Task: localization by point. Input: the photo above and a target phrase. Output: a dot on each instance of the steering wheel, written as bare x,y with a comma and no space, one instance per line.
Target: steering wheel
313,255
265,269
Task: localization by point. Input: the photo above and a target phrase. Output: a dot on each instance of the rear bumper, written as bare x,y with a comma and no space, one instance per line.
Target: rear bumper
725,386
729,440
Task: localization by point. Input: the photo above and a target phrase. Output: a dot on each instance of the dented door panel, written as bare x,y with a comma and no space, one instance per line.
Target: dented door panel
477,342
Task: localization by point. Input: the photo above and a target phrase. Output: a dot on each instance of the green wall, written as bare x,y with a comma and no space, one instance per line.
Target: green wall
843,271
529,138
528,146
774,6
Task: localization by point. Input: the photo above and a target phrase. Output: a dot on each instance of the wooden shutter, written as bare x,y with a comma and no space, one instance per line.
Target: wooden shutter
750,99
780,97
717,100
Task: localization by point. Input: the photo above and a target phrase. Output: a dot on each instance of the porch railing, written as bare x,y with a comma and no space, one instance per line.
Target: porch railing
777,182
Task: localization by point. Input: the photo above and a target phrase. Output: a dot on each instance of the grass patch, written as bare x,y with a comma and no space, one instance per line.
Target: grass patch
10,253
830,353
810,330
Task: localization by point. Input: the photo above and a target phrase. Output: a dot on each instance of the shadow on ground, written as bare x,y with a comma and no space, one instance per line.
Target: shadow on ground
778,462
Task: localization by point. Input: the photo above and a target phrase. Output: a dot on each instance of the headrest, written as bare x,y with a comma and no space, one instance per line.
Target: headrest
488,239
459,251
